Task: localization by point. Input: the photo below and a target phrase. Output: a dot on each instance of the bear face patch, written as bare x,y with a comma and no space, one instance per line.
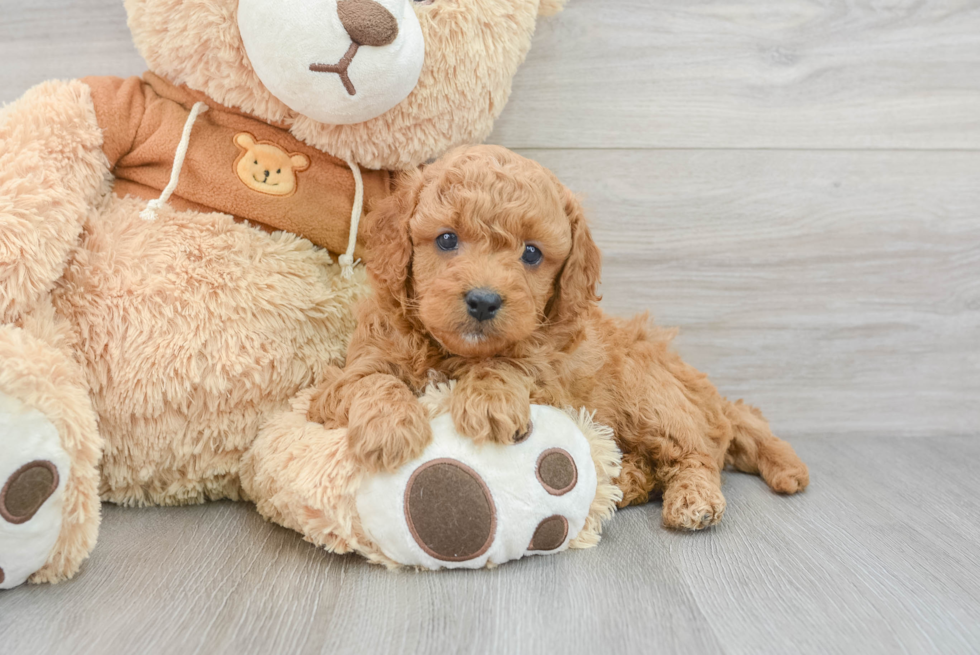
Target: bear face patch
265,167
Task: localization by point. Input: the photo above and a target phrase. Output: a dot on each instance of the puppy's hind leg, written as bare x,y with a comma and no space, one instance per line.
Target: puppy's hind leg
755,449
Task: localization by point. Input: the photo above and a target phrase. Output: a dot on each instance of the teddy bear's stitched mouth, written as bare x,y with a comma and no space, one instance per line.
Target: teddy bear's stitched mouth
265,181
340,67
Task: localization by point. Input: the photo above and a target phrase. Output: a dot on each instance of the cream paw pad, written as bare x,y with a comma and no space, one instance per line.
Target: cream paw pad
33,468
466,506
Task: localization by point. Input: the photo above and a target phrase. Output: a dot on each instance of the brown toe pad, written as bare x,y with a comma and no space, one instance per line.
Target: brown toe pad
449,509
26,490
550,533
557,472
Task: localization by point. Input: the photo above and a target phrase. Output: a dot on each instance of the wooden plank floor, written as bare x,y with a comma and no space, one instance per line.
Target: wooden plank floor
880,555
795,183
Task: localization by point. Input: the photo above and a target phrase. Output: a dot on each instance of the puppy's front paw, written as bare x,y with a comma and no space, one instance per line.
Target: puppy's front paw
384,438
496,413
692,506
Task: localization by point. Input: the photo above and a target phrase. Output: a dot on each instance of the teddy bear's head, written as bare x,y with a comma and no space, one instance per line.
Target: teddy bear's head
386,83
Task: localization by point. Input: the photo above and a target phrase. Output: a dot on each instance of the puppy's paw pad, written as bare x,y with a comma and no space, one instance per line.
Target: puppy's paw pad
550,534
450,511
26,489
557,472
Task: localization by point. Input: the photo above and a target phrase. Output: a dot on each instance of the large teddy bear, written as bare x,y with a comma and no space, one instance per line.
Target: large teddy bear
166,287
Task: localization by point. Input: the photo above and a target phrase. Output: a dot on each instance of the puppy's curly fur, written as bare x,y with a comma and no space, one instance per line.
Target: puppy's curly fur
547,343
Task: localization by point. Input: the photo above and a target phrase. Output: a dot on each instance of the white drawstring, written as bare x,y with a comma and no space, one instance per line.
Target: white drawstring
150,213
346,260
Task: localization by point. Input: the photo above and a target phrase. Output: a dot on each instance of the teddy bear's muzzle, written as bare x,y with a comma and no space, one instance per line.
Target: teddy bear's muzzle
367,23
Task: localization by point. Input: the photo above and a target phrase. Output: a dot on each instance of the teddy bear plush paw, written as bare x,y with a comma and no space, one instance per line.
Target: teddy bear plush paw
462,505
33,470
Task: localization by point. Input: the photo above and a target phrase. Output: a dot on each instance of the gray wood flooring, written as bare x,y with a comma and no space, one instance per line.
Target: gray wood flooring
880,555
794,183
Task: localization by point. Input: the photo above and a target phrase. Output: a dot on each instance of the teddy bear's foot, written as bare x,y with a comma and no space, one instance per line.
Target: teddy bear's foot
466,506
33,471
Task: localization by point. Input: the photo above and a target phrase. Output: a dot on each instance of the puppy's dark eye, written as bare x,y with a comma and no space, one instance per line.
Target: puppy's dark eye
447,241
532,255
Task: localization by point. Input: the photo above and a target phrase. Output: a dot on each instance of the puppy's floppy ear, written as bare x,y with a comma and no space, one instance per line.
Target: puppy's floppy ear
390,243
575,286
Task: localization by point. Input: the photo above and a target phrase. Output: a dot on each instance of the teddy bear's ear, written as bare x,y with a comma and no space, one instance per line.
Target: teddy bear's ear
550,7
299,161
244,140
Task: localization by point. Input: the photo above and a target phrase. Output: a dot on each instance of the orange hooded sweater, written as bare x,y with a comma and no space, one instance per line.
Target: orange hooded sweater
235,163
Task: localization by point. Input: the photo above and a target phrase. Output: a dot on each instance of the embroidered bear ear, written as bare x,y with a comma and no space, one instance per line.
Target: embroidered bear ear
245,140
299,161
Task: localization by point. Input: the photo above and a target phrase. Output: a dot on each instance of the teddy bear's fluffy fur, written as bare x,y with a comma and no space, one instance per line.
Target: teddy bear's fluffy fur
549,343
161,347
290,448
197,42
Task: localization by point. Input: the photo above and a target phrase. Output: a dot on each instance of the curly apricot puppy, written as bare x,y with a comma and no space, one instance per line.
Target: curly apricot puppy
484,270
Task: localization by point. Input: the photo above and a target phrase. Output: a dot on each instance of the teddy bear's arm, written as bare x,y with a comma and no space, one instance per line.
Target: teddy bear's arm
53,174
120,108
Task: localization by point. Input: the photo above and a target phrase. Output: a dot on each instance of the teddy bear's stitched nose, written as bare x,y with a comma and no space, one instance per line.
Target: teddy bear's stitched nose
367,22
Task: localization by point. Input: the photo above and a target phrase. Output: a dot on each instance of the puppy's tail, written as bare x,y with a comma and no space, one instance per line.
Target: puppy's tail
755,449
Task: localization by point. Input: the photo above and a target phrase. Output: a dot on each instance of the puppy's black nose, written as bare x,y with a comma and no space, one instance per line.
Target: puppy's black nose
483,303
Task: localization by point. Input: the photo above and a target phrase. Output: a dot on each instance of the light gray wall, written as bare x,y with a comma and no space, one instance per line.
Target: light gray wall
795,184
